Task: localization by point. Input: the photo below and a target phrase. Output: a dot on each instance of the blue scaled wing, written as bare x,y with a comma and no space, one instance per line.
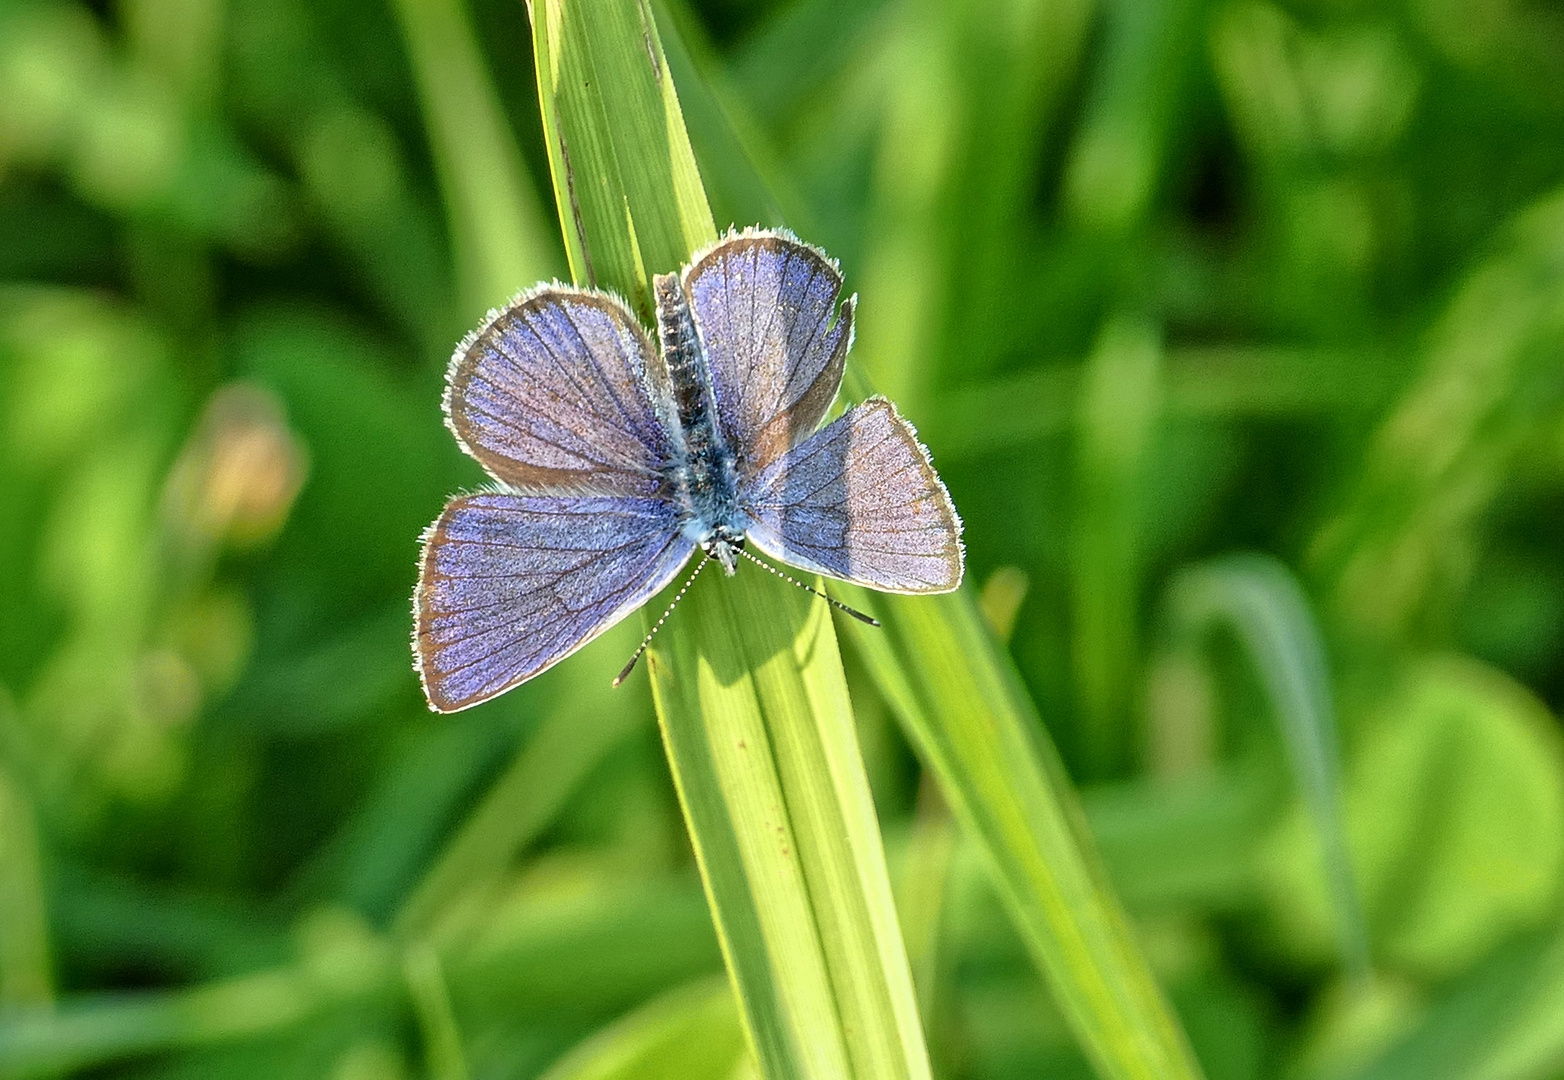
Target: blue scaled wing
509,584
859,501
554,393
765,308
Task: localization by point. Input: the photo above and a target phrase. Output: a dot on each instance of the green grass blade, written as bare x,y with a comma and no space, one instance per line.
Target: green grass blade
25,975
747,677
1260,601
444,1056
498,225
964,708
1400,543
535,956
572,739
691,1033
1118,157
630,197
1198,383
1118,411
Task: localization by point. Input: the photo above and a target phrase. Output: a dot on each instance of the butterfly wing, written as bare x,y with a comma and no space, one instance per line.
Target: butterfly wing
554,393
859,501
765,307
509,585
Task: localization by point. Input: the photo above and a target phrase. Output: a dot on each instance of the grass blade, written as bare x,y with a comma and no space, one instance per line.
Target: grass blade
525,799
972,723
498,225
1258,598
25,969
444,1055
961,703
747,679
691,1033
1118,412
629,195
1198,383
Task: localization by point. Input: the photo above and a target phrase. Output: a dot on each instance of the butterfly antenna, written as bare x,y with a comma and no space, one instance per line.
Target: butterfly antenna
658,625
854,612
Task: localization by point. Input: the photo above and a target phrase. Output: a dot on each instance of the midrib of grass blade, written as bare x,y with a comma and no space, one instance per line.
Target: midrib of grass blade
747,677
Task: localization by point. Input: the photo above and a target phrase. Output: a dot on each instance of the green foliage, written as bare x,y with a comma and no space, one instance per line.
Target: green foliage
1161,284
750,692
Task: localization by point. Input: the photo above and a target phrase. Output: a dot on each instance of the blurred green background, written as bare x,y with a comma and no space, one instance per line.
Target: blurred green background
1236,330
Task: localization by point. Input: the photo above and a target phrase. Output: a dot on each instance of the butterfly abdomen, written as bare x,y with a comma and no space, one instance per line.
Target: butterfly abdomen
706,479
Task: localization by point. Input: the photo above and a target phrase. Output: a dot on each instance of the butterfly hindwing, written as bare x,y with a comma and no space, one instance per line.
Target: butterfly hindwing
860,501
509,584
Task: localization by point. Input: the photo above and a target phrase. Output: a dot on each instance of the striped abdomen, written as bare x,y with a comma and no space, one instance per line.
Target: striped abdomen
706,479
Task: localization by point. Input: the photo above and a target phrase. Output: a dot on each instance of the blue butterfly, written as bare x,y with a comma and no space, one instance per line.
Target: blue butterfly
616,463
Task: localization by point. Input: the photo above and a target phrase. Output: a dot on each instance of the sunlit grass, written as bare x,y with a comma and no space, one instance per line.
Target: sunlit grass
1162,286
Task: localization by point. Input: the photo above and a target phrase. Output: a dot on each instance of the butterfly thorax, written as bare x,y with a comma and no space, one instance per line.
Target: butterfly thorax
704,476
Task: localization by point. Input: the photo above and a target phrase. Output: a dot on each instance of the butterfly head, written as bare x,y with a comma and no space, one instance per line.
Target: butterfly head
724,544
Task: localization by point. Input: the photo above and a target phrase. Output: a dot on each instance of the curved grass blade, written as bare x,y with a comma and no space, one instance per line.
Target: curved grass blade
747,679
1260,601
963,706
691,1033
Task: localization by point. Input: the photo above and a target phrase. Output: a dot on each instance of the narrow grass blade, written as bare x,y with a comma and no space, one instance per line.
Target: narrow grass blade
1259,600
757,190
773,787
571,739
1118,411
535,957
922,887
630,197
499,227
691,1033
1198,383
25,970
906,271
1399,546
444,1055
747,677
1118,156
962,705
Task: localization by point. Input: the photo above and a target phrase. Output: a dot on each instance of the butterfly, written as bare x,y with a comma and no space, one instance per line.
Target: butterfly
615,462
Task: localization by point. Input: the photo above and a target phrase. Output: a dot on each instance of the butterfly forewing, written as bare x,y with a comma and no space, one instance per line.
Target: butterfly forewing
511,584
551,394
765,306
860,501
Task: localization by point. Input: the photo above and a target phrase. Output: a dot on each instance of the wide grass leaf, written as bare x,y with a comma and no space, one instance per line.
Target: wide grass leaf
747,676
